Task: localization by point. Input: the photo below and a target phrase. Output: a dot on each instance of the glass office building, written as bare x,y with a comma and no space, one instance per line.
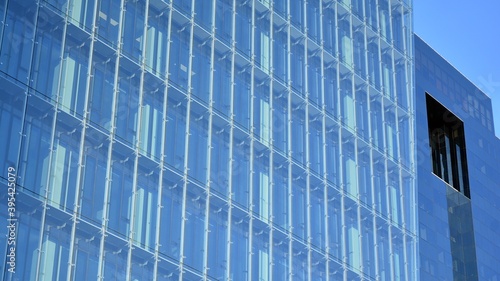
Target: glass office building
208,140
457,173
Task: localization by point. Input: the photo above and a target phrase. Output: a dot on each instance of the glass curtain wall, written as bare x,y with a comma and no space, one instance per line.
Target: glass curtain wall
215,140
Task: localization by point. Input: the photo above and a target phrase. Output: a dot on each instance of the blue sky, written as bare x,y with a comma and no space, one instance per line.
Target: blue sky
467,34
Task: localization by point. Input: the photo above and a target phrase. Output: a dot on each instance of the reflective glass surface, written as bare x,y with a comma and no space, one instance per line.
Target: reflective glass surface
457,232
214,140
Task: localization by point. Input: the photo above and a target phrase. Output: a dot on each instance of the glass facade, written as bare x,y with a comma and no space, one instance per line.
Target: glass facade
214,140
458,223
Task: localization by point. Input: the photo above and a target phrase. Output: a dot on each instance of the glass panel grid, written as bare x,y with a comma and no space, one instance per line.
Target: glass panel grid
242,140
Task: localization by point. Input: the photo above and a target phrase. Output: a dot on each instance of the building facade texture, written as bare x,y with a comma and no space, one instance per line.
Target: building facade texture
458,208
209,140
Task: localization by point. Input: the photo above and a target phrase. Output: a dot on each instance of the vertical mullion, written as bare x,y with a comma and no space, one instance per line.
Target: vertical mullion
209,146
379,54
131,238
306,148
404,224
160,188
162,153
360,219
337,62
61,59
109,175
324,144
252,141
162,165
289,140
271,145
82,147
186,148
231,144
53,126
46,195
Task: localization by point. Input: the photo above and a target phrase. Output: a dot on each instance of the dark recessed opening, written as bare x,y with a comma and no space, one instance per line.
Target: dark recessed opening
447,141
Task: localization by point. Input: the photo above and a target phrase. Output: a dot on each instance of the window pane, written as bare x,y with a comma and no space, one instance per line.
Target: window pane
156,43
171,215
203,13
217,242
175,134
194,231
198,147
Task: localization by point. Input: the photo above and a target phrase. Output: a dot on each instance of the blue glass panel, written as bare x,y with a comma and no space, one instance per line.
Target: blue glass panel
280,54
171,215
101,90
280,6
298,129
299,261
47,56
217,242
330,91
175,134
142,265
198,147
240,171
357,8
223,20
280,193
115,259
359,54
146,204
329,30
86,253
108,20
133,29
156,41
11,112
127,106
150,139
335,233
17,41
55,247
280,122
239,249
241,99
314,81
373,65
362,124
219,166
297,13
179,56
36,143
243,27
316,146
313,20
200,73
280,257
194,230
318,229
203,13
297,68
260,250
332,150
261,184
119,210
82,13
299,204
221,93
184,6
94,175
64,166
